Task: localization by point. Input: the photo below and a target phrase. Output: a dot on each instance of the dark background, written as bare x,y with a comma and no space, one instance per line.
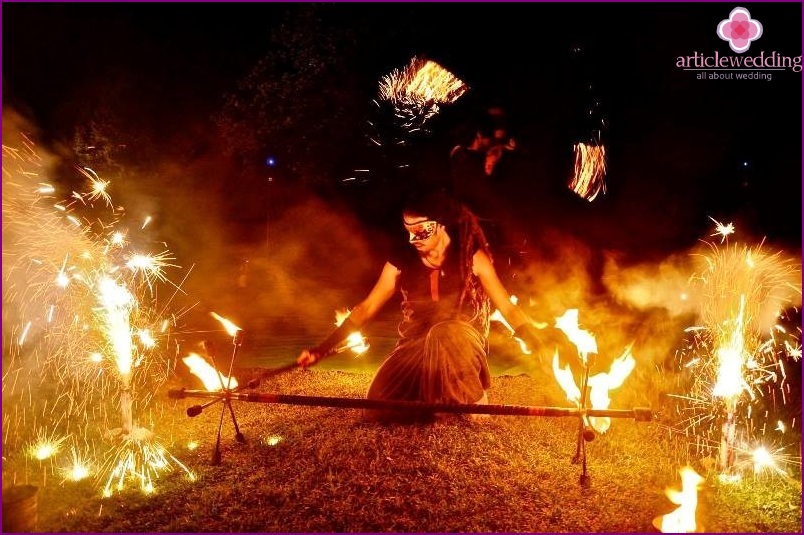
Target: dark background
681,150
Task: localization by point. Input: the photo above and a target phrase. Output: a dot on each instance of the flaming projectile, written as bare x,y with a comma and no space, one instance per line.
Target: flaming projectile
589,172
412,96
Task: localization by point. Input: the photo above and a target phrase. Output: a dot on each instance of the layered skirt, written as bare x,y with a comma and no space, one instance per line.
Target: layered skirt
447,364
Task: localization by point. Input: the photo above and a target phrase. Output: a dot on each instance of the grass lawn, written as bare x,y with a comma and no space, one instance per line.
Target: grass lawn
318,469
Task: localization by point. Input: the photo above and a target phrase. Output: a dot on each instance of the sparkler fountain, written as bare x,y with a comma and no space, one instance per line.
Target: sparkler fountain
734,371
730,384
89,337
117,301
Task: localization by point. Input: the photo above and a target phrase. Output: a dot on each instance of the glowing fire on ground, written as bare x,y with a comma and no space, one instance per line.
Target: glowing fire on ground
682,520
497,316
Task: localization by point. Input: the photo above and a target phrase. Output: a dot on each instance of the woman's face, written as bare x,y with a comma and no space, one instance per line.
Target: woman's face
422,231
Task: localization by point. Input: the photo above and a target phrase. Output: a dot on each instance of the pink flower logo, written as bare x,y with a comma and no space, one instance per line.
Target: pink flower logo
739,29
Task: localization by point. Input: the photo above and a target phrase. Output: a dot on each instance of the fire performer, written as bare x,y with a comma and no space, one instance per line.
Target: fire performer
447,281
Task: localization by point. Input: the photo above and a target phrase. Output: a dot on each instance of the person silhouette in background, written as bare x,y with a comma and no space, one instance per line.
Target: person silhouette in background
483,175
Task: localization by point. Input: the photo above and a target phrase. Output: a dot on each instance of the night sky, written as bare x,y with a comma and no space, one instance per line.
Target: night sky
733,140
681,149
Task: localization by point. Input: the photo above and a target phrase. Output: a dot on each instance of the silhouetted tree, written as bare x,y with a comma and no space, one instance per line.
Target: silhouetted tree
301,104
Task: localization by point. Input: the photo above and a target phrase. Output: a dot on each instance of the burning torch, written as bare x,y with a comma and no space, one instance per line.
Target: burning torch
345,336
210,376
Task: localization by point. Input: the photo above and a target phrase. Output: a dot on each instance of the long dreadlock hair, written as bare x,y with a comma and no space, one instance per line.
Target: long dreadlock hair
464,225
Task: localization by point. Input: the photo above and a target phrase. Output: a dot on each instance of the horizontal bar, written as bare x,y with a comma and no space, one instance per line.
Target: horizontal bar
640,414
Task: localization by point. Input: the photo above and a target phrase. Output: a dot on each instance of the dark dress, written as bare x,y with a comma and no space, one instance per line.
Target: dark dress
441,356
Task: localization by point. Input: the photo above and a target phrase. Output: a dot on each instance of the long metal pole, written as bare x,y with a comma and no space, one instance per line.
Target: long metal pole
639,414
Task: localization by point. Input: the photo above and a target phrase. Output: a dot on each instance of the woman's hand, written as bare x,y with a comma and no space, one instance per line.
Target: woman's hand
307,358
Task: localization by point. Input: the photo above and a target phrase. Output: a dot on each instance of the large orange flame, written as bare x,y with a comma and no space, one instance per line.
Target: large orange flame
212,378
582,339
599,384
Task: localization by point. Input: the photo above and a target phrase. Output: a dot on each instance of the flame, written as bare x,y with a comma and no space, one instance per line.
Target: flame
211,378
731,356
497,316
601,383
589,171
599,386
230,327
355,341
582,339
682,520
566,381
340,316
